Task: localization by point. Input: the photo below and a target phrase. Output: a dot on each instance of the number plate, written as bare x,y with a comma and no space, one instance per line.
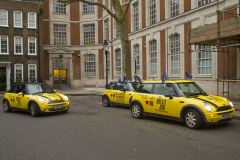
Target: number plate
58,107
226,116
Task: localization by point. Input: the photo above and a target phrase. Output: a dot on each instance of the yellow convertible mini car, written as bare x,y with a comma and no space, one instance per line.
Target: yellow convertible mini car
119,93
34,98
181,100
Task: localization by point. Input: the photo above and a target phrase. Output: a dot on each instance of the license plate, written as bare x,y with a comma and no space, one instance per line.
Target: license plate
226,116
58,107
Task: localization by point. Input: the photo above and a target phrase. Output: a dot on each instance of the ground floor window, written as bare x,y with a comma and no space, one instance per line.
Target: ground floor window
204,60
32,69
89,65
18,73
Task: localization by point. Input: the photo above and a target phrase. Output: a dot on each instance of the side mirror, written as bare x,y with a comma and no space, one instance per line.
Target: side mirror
124,90
20,94
168,95
54,91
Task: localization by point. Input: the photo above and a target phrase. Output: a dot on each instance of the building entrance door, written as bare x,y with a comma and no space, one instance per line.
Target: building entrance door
3,79
60,76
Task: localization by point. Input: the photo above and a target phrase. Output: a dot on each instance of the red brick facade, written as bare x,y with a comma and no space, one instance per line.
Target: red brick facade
162,52
143,14
76,65
162,10
101,63
187,5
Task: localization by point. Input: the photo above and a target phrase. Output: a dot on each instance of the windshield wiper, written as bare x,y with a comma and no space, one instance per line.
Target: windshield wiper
37,92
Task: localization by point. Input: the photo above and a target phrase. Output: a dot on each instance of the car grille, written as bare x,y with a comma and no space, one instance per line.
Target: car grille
223,108
56,101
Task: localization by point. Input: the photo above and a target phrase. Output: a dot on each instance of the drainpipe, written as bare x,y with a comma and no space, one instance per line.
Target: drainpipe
40,12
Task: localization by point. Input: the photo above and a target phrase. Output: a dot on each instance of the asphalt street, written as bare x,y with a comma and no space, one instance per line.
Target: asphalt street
89,131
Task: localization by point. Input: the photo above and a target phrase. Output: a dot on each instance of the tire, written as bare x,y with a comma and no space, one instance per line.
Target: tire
136,110
65,111
34,110
193,120
6,106
105,101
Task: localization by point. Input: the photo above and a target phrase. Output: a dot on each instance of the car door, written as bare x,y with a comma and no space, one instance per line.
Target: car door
13,99
144,96
131,87
21,98
164,105
111,92
120,94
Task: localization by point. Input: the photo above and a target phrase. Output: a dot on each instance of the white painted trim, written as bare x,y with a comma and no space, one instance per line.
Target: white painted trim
35,72
6,18
21,26
35,46
7,45
15,72
21,46
35,27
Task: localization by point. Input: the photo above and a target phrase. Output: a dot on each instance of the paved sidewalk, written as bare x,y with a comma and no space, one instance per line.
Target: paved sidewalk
99,92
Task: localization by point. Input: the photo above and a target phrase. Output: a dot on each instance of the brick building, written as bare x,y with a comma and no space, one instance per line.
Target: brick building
158,33
20,45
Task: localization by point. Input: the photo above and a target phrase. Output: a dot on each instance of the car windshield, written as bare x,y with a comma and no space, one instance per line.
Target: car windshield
39,88
190,88
133,86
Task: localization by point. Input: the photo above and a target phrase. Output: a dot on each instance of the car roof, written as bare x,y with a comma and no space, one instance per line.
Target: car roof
169,81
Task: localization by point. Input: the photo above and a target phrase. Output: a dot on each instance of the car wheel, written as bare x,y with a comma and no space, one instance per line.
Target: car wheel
34,110
193,120
105,101
65,111
6,106
136,110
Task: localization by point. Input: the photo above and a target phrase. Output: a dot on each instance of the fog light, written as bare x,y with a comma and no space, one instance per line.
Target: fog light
211,115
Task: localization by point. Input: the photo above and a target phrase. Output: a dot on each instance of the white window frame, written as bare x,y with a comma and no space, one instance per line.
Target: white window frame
175,54
86,30
117,33
58,7
118,62
87,8
200,3
1,45
90,64
59,39
21,45
35,39
153,57
35,20
136,16
4,18
14,19
206,57
174,9
137,59
106,3
106,27
35,66
152,12
15,77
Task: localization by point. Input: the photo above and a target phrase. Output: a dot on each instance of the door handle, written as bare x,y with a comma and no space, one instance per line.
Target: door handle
152,98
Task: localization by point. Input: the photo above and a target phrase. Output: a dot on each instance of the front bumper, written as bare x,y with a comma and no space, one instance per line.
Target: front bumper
215,117
55,107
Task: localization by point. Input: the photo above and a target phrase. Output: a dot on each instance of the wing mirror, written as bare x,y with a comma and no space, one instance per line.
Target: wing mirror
54,91
124,90
20,94
168,95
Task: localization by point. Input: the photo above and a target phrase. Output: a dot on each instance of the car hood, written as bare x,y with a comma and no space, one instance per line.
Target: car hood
50,96
215,101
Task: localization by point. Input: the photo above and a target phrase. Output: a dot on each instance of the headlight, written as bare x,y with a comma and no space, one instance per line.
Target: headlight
207,106
66,98
231,104
41,100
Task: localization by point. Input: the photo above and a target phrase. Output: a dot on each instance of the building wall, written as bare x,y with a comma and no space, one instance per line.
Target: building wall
190,16
25,33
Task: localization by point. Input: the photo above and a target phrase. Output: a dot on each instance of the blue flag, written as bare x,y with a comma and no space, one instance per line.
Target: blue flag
124,79
139,79
164,78
189,75
119,79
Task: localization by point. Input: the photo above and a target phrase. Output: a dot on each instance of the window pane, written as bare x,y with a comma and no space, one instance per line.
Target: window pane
89,65
3,18
60,34
87,8
175,57
32,46
4,44
89,34
32,20
18,44
58,7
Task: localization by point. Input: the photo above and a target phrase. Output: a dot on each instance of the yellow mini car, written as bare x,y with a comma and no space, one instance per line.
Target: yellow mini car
34,98
181,100
119,93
